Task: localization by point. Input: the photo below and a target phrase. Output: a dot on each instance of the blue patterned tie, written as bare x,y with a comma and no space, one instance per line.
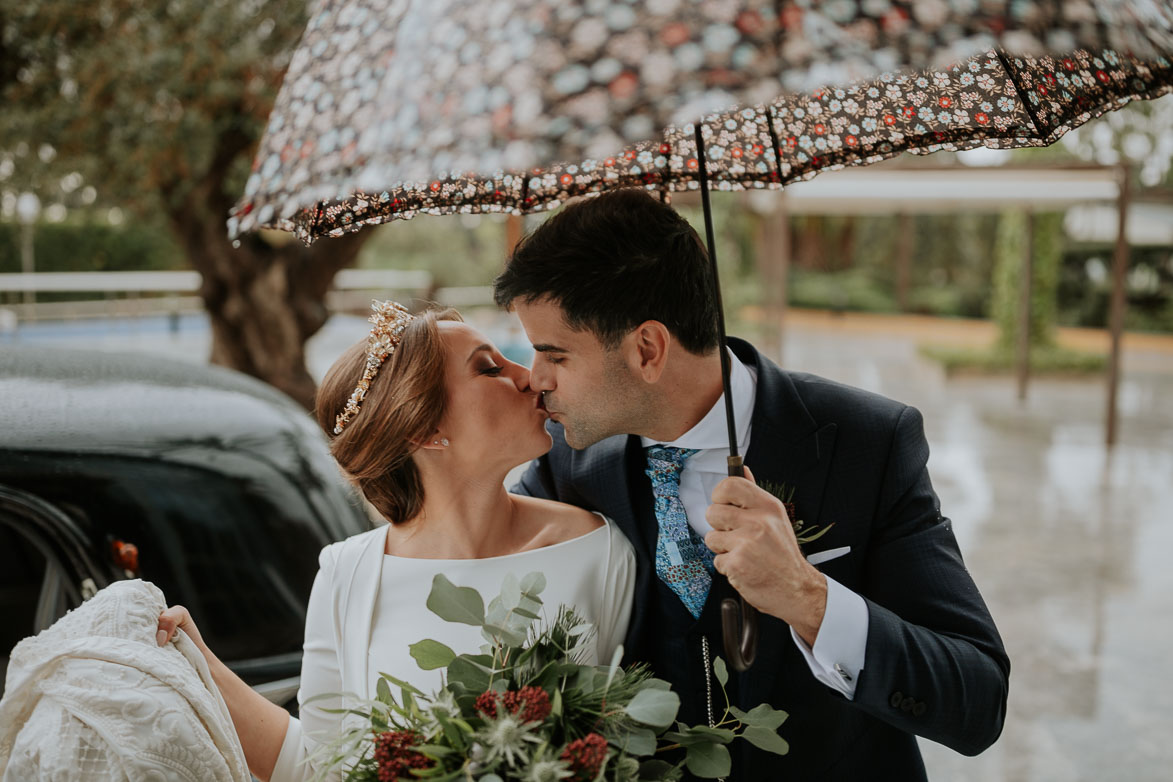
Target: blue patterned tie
683,561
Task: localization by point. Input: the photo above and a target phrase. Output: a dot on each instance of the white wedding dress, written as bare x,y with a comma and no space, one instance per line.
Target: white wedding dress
95,698
367,608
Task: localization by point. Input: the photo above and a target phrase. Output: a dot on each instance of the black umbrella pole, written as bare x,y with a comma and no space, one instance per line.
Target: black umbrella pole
739,620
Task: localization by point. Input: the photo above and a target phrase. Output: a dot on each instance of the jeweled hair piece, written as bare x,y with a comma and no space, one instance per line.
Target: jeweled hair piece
388,320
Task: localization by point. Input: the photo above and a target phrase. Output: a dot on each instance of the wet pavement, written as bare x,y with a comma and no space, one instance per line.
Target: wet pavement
1070,543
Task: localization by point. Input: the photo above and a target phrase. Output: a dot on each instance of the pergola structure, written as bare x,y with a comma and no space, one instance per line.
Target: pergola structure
901,190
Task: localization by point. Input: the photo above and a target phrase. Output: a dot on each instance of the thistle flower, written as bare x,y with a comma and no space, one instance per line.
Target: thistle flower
547,771
506,737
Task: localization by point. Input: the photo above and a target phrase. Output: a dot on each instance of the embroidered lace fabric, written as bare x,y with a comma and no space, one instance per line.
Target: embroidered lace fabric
94,698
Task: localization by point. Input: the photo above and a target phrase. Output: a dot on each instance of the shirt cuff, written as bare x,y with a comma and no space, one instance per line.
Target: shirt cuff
838,654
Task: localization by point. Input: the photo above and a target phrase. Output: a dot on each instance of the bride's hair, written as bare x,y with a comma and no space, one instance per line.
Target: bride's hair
402,407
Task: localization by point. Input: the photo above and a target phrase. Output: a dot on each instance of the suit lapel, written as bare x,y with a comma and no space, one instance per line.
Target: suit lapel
607,471
787,447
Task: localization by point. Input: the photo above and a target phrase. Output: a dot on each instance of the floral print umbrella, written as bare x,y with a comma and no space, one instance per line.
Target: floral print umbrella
392,108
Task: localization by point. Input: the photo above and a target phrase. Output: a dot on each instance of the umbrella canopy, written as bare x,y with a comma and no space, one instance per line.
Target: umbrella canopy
391,108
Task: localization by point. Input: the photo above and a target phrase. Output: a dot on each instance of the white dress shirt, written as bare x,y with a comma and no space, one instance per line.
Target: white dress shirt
838,654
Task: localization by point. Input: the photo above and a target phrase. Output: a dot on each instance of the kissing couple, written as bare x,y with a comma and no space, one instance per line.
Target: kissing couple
871,635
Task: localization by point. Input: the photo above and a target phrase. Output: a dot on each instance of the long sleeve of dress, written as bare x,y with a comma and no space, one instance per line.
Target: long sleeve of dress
320,674
618,594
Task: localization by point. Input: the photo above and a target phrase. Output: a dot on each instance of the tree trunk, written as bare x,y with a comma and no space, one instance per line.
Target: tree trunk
846,252
264,300
810,244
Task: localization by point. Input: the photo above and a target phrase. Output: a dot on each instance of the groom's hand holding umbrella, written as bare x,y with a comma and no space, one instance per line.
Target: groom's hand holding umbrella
758,552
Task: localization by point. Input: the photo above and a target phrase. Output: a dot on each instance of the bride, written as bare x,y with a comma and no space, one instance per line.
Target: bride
427,417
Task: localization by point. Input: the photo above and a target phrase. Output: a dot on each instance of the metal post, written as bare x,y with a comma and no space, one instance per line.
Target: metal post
904,228
1118,301
27,263
772,252
781,241
512,233
1024,308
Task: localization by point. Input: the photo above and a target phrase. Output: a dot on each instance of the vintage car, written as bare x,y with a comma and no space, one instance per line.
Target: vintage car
212,485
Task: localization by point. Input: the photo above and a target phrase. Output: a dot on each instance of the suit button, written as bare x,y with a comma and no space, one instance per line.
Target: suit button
919,709
907,704
895,699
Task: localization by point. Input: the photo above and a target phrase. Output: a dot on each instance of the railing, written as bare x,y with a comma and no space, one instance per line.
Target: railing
172,293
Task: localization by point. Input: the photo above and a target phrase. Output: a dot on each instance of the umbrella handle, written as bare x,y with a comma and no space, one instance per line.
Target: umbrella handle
739,620
739,626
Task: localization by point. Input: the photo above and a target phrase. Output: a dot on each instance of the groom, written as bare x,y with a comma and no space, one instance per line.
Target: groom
871,634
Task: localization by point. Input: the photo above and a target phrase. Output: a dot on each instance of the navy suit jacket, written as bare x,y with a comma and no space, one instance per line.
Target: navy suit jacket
935,665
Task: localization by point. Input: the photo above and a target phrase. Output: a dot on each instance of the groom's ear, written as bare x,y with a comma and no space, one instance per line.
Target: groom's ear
649,350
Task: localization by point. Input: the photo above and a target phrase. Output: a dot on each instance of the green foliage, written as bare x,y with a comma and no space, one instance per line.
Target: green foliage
455,604
456,250
1047,253
91,246
142,98
1044,359
853,289
469,730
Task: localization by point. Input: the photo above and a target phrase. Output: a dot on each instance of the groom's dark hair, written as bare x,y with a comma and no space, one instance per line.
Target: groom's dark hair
614,261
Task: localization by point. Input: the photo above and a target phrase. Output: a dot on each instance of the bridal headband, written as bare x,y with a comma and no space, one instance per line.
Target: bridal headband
388,319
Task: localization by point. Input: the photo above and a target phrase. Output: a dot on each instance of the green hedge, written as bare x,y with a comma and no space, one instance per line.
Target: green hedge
1049,360
88,247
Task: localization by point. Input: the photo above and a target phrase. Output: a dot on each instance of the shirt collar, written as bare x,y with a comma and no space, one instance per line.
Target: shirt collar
711,431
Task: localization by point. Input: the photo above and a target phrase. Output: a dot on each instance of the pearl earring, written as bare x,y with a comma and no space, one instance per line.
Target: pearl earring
441,441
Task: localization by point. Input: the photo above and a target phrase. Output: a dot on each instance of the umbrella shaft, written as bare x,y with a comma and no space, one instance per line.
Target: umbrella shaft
734,467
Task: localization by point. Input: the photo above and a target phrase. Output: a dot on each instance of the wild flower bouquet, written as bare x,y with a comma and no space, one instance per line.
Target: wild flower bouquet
527,707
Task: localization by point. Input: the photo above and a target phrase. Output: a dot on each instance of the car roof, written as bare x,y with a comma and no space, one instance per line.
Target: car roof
74,400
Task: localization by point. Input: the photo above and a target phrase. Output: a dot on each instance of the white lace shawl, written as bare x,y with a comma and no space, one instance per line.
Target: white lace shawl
93,697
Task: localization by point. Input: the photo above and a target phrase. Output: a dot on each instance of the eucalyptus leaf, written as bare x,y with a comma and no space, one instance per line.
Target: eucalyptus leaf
721,671
400,684
585,682
638,741
472,676
655,708
527,614
455,604
766,739
534,583
718,735
430,655
383,691
655,769
510,592
433,750
496,613
708,761
761,716
503,634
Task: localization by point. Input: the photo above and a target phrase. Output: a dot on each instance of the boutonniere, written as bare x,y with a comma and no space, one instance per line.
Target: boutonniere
802,533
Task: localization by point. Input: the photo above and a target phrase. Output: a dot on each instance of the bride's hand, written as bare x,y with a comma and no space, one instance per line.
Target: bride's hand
175,618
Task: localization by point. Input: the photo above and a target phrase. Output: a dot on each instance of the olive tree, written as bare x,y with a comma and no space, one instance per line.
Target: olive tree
159,106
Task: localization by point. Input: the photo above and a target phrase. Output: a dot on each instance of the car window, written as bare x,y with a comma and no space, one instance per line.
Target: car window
235,541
